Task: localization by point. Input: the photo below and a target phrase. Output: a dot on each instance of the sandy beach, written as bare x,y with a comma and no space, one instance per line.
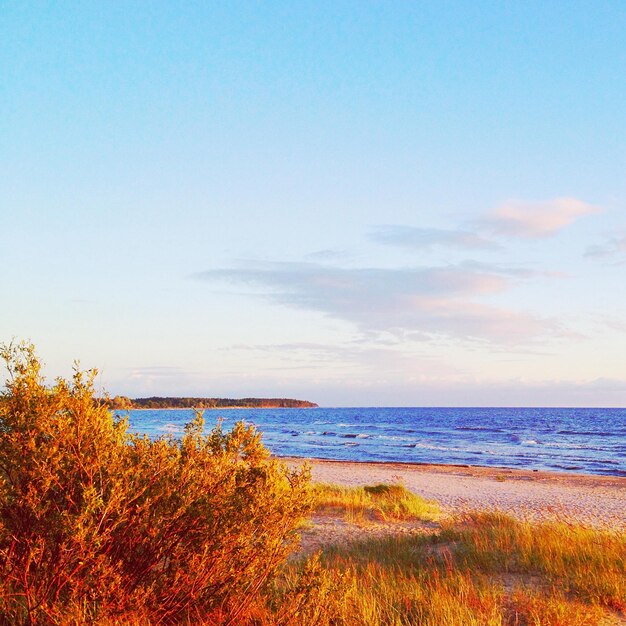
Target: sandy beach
598,501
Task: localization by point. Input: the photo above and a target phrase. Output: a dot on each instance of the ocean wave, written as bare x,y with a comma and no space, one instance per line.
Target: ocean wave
574,446
427,446
487,429
170,428
593,433
538,439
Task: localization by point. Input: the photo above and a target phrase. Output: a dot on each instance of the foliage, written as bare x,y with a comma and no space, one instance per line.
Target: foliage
481,570
99,524
156,402
383,502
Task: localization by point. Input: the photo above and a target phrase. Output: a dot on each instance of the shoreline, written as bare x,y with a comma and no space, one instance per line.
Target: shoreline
587,499
516,473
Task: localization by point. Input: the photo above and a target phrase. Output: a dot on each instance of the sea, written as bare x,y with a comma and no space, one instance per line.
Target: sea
590,441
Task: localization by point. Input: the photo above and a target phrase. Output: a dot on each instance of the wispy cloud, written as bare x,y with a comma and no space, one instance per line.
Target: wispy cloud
612,248
414,238
328,255
358,360
535,220
611,323
162,380
157,371
430,300
423,302
512,219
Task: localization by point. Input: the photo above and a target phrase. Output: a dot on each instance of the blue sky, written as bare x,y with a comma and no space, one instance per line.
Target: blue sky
355,203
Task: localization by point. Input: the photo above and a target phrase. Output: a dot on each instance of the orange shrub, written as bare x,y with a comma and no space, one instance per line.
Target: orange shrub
97,523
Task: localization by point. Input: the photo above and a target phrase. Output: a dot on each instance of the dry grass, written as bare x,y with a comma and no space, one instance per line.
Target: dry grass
379,502
590,564
482,569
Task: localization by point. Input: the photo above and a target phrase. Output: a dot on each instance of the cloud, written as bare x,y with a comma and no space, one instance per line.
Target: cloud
611,322
157,373
526,220
515,271
432,300
414,238
161,380
327,255
358,364
535,220
613,246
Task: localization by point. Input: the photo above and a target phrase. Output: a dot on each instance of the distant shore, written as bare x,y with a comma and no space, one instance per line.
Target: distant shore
212,408
123,403
589,499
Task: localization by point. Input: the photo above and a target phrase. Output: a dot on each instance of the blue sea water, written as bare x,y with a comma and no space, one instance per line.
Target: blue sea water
578,440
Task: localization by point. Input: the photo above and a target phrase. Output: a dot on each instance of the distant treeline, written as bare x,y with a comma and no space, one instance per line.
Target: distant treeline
155,402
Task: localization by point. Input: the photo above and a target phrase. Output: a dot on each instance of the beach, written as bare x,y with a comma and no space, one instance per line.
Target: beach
590,500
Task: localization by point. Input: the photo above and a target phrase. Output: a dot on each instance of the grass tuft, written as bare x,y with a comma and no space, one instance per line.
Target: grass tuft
588,563
377,502
481,569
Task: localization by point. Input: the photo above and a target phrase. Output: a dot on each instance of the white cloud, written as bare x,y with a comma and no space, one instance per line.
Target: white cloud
515,218
614,246
535,220
414,238
435,301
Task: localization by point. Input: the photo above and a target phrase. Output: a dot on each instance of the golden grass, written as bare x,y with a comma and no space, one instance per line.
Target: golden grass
588,563
380,502
481,569
374,595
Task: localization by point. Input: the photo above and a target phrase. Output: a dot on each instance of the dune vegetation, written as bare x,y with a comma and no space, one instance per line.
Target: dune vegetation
97,523
373,502
482,569
101,526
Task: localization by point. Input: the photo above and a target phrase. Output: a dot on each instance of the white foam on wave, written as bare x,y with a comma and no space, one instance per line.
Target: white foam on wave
427,446
170,428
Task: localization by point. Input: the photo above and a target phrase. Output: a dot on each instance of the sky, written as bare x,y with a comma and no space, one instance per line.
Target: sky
355,203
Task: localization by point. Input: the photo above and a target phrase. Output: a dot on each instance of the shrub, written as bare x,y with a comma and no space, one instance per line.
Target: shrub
97,523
